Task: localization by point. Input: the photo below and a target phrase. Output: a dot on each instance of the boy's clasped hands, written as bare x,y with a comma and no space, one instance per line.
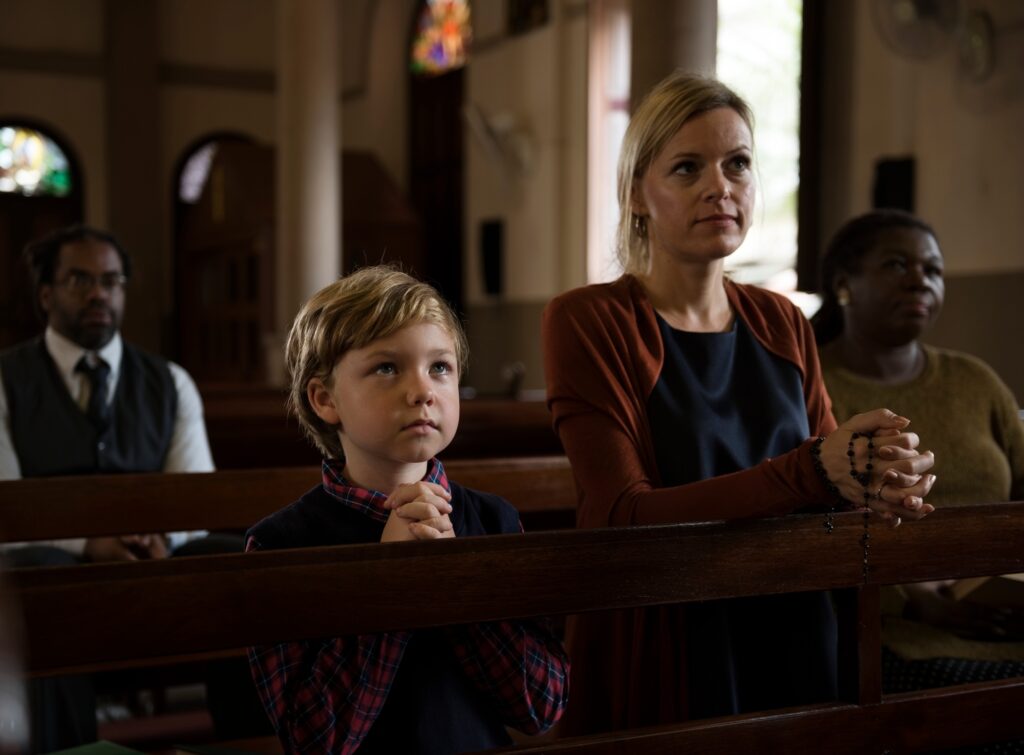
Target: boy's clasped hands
419,511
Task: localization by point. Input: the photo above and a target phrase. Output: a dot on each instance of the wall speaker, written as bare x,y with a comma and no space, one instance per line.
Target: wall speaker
492,249
894,184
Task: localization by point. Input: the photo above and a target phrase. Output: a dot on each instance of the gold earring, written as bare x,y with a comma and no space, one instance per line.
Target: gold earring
843,297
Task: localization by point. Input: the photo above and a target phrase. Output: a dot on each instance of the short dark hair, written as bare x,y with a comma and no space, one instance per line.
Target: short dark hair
843,255
41,254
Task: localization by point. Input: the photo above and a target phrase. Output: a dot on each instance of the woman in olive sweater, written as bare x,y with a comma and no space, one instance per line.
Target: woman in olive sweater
882,283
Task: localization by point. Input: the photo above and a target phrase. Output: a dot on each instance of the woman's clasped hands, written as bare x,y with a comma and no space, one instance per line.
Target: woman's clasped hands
874,462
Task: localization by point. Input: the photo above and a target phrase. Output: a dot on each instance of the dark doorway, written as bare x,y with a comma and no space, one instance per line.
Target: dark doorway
225,256
436,177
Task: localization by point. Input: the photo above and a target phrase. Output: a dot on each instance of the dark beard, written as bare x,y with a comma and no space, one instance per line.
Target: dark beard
94,337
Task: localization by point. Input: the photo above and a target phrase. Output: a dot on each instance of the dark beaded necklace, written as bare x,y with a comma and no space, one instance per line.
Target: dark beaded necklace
864,478
830,523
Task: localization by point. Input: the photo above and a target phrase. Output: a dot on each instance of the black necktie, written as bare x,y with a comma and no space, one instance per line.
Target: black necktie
97,410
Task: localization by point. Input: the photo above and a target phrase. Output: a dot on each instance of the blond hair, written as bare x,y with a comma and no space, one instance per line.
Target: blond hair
351,313
671,103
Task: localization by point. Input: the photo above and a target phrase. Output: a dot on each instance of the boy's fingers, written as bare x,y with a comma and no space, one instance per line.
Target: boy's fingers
432,529
421,510
411,491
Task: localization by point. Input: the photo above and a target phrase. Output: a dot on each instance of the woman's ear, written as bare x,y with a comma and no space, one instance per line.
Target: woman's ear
322,401
636,200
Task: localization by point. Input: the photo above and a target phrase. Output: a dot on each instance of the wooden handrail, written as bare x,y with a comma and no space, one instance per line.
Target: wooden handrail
131,612
135,612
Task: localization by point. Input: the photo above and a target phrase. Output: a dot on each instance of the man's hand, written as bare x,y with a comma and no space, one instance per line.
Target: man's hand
126,548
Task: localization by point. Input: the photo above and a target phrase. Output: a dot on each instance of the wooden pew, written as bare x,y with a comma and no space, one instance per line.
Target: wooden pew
249,428
47,508
134,611
41,509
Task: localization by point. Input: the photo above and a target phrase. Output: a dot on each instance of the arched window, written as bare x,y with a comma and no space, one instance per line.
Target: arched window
31,163
442,38
223,256
41,190
195,172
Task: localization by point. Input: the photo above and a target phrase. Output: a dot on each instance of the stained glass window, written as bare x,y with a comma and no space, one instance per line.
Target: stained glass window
32,164
442,37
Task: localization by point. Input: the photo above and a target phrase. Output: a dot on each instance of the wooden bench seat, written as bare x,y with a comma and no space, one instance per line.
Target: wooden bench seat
134,610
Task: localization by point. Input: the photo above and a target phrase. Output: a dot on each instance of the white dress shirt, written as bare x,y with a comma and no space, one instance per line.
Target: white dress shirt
189,450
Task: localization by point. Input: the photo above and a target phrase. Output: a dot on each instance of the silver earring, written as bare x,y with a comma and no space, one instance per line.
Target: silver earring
640,226
843,297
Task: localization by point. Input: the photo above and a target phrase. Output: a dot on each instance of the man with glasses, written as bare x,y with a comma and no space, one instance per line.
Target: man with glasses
79,400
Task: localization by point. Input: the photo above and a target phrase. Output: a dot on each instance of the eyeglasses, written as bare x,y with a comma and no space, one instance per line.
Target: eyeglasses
80,282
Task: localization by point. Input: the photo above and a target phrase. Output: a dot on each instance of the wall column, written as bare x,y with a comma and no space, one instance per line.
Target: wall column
669,35
133,147
308,254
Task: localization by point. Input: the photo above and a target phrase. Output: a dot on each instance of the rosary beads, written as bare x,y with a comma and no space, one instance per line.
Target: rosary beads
864,478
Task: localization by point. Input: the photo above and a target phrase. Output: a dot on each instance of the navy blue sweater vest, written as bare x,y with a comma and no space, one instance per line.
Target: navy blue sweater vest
52,436
431,707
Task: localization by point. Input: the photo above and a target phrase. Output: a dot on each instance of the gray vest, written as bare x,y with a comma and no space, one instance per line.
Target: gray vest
52,436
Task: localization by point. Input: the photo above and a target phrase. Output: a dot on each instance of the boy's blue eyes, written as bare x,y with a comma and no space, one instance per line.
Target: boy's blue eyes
437,368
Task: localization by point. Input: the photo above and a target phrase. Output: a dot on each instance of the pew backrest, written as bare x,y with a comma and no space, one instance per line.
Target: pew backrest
64,507
135,611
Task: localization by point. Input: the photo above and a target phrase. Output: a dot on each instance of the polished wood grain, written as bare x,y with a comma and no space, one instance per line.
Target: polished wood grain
541,488
131,614
132,611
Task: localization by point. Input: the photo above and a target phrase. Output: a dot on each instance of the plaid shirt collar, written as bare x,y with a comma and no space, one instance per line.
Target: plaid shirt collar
370,502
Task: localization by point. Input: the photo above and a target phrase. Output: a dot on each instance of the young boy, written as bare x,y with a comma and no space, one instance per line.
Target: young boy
374,361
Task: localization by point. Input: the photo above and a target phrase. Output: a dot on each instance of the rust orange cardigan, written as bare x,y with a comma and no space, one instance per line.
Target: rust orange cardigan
603,355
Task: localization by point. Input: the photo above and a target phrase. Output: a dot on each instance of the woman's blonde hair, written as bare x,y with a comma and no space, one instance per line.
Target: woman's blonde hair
351,313
673,101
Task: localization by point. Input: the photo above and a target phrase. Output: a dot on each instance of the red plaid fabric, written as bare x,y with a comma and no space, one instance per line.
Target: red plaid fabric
324,695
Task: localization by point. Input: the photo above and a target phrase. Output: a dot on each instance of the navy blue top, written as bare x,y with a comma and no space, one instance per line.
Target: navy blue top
721,404
431,706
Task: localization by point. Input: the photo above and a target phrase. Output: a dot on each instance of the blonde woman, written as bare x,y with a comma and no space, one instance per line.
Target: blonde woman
681,396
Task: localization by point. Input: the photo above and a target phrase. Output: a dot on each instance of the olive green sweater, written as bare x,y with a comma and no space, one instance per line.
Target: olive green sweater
962,411
965,414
